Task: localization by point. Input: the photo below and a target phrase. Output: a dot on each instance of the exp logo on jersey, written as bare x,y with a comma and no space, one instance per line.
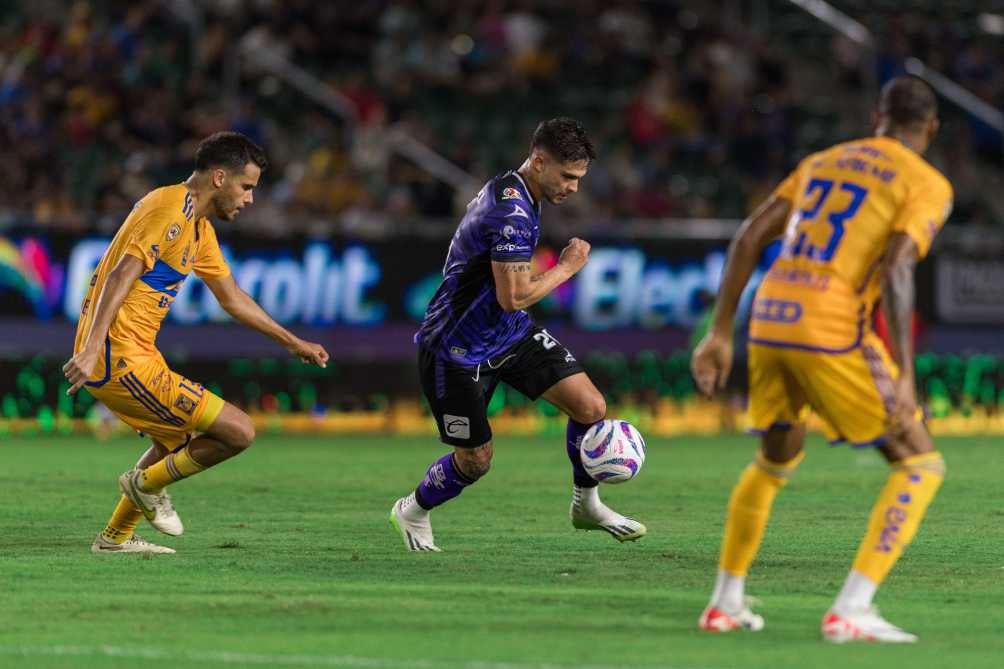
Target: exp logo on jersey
512,248
777,311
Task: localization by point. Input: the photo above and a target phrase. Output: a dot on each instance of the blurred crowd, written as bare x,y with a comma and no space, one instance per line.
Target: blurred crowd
696,112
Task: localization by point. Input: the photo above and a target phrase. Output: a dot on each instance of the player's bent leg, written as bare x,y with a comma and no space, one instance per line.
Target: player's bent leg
917,472
445,479
228,432
746,520
584,405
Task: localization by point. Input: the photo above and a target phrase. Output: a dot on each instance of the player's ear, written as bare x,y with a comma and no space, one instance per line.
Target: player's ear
932,128
539,161
876,120
218,178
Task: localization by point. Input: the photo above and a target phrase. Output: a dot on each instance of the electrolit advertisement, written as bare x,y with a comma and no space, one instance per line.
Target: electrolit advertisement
351,283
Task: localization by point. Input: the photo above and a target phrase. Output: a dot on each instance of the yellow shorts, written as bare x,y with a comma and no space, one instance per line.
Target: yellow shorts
159,403
852,392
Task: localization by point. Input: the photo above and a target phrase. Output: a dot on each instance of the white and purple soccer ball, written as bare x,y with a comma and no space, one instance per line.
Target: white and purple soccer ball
612,451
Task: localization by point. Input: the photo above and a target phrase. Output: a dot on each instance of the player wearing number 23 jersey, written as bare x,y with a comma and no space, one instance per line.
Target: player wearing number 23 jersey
812,311
854,220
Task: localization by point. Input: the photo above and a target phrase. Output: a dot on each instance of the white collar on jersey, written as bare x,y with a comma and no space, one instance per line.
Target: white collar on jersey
526,189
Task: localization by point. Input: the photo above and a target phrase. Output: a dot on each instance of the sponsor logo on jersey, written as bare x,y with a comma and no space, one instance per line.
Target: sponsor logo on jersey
173,232
508,231
456,350
458,427
510,247
510,194
154,252
777,311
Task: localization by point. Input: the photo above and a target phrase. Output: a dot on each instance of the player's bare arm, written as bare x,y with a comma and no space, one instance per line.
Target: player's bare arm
246,311
898,303
518,287
712,359
120,280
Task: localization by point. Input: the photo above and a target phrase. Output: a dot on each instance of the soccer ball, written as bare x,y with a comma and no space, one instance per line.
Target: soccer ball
612,451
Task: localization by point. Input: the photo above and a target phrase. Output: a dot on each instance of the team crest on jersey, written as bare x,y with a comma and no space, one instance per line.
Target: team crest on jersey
186,404
510,194
173,232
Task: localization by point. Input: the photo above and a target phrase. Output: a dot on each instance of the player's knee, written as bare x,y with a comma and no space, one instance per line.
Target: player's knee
474,462
591,410
242,433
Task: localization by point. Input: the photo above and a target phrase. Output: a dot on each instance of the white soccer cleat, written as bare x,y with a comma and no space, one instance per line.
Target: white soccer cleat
156,506
131,545
412,523
717,619
863,625
589,513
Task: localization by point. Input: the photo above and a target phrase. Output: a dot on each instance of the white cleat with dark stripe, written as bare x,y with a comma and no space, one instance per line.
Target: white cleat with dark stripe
131,545
156,506
589,513
412,523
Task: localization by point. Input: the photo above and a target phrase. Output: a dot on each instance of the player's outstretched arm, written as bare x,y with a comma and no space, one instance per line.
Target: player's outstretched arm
898,302
712,359
517,287
80,367
245,310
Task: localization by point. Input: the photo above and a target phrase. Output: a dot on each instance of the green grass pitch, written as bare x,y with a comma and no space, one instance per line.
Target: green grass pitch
289,560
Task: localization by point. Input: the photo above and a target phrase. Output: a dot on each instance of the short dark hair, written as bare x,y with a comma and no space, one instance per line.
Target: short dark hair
229,150
565,139
908,100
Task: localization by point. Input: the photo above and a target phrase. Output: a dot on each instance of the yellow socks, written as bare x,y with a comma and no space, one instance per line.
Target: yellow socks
749,509
123,522
174,467
896,515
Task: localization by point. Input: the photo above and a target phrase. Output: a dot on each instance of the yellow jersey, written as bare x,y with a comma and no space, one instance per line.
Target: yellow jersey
161,231
846,202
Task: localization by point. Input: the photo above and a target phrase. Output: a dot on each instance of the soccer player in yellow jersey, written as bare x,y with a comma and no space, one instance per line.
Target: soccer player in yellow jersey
166,237
855,219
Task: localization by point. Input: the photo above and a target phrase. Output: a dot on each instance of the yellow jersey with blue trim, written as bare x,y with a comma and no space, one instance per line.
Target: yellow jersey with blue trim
163,232
846,203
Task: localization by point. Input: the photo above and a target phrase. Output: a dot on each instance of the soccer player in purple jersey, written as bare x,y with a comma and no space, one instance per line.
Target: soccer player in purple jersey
476,333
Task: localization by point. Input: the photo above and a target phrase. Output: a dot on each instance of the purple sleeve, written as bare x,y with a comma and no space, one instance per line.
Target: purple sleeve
509,232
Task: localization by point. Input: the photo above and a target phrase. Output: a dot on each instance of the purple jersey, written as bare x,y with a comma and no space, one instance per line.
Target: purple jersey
465,322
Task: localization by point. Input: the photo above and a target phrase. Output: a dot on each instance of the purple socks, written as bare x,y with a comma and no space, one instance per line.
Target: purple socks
442,482
573,438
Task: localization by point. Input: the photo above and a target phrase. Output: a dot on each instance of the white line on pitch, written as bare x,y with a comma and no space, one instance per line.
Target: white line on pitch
230,657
